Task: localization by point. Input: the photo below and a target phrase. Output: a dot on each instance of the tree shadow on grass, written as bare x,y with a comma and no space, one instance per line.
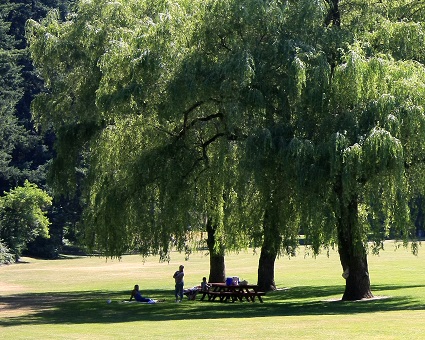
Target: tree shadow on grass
91,306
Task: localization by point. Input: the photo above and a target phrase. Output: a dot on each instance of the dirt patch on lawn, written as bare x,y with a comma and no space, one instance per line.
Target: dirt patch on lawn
9,288
11,306
13,303
19,305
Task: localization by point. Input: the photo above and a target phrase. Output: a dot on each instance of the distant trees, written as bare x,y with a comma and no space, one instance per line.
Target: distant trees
249,119
14,139
24,153
27,152
12,133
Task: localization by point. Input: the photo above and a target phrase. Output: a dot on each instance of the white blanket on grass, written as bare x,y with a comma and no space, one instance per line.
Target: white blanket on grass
147,303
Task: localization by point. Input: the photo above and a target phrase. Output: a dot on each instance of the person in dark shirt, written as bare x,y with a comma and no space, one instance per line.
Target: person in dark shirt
135,293
178,277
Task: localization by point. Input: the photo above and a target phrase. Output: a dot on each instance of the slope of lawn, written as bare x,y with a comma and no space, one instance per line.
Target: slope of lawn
67,299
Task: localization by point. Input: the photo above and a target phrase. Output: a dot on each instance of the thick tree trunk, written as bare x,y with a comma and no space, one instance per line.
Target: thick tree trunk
269,252
352,253
266,270
356,274
217,265
217,268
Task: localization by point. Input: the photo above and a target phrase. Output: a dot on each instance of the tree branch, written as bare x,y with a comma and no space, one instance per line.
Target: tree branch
211,140
223,43
186,114
334,15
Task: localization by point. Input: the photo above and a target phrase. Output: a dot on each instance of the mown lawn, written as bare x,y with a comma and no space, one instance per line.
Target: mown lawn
66,299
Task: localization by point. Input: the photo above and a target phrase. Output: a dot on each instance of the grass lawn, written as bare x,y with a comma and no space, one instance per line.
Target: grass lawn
66,299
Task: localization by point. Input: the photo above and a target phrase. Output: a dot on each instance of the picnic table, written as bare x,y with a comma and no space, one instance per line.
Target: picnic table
224,293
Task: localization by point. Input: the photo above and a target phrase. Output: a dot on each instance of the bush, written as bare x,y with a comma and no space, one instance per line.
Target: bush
23,216
6,256
42,248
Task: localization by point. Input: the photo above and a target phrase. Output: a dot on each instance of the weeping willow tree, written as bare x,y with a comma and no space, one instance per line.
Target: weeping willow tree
321,100
249,119
162,161
361,138
245,58
164,96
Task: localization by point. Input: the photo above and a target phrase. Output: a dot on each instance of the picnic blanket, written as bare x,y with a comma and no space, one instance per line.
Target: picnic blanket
146,303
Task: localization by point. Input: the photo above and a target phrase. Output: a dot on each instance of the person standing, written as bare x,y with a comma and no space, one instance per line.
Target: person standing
178,277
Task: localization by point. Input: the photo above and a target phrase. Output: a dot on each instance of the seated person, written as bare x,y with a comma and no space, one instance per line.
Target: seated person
135,293
204,285
191,293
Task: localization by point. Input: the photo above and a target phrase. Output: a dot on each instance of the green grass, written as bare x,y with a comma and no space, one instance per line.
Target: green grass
66,299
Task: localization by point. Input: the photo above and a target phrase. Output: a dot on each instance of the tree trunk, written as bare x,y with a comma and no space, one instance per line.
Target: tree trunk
217,268
266,270
217,265
269,252
352,252
334,15
356,273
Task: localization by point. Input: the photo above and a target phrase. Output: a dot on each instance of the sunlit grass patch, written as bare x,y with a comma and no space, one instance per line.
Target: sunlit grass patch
67,299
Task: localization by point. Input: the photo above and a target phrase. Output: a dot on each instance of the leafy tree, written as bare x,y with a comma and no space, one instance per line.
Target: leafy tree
155,189
251,118
23,216
195,94
363,150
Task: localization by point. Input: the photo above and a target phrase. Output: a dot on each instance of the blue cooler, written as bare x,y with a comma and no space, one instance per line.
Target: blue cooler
229,281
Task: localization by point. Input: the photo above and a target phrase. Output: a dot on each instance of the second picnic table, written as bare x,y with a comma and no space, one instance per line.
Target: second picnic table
225,293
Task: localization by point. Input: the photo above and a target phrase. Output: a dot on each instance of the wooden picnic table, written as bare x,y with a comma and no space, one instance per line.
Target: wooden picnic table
225,293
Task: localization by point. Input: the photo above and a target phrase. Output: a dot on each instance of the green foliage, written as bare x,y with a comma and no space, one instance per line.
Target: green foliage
6,255
228,110
22,216
23,152
11,132
360,137
166,179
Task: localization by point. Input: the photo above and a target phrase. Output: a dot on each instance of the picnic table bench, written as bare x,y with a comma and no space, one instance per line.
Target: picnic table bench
224,293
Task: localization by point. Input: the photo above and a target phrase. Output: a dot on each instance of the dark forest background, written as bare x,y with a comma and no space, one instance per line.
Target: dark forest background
25,152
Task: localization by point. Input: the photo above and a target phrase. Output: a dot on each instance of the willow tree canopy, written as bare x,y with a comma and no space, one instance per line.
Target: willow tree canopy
228,109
